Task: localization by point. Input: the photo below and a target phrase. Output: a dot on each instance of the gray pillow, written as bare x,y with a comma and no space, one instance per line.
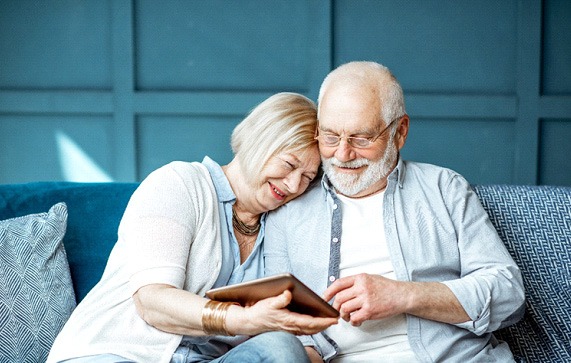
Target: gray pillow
36,293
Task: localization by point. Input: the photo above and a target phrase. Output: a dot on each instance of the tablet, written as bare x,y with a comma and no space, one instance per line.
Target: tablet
304,300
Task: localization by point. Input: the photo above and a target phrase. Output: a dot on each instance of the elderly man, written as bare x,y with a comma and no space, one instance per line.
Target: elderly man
404,250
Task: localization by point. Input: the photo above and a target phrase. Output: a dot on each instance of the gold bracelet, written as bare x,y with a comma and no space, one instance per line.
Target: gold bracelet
214,317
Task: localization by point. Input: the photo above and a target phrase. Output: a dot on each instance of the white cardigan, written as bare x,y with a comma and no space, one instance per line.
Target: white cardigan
169,234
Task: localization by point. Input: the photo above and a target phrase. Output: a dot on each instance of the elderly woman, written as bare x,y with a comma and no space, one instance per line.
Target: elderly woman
190,227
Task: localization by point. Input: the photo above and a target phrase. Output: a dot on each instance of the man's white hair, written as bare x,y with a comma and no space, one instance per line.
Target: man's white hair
368,74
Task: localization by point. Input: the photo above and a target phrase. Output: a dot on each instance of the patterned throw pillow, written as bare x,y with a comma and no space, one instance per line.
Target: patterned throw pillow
36,293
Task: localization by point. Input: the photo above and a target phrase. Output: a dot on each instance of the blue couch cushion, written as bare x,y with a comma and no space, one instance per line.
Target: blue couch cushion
535,224
95,210
36,294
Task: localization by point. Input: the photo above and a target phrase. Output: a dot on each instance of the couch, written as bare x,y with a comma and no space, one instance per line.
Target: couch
533,221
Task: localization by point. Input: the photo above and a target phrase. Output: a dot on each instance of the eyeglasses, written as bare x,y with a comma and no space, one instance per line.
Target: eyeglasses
331,140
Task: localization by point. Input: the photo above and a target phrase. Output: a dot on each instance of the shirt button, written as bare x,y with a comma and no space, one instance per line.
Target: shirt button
334,206
331,278
335,239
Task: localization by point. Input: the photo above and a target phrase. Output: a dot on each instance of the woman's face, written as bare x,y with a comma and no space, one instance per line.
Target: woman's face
286,176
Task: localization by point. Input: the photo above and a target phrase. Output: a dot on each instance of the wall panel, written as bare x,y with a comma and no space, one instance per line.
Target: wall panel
55,147
481,150
555,163
557,48
431,45
183,138
55,45
217,45
134,84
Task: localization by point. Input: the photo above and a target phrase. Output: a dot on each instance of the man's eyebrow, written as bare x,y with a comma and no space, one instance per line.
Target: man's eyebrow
356,132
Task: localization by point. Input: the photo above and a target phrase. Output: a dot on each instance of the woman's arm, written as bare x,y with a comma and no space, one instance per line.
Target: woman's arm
170,309
180,312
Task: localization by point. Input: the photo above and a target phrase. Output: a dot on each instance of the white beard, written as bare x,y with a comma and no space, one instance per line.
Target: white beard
352,184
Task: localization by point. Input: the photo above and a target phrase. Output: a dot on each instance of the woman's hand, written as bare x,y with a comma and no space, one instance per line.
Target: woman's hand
180,312
271,314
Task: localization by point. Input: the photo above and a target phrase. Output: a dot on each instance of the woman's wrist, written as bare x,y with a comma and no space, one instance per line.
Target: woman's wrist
214,315
238,321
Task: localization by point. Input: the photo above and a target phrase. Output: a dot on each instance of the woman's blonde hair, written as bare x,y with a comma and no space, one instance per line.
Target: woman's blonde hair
283,122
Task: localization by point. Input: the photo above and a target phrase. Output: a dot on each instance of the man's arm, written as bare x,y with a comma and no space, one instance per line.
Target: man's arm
365,297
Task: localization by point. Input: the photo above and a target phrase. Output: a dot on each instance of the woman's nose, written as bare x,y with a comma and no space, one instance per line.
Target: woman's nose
293,182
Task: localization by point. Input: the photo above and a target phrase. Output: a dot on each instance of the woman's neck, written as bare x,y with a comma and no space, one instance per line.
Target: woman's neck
243,206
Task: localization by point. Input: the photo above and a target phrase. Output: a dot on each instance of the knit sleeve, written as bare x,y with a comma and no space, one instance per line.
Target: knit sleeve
159,227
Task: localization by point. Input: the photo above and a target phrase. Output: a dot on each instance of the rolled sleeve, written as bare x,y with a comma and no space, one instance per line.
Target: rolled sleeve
490,287
492,300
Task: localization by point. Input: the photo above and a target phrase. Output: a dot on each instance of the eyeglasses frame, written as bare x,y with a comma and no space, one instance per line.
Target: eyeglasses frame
349,139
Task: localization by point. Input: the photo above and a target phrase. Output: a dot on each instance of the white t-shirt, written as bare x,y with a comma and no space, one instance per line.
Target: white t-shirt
364,250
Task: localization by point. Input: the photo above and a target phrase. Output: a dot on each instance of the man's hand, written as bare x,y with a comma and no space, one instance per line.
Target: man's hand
367,297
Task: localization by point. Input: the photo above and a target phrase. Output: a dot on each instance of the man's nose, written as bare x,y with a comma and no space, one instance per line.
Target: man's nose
344,151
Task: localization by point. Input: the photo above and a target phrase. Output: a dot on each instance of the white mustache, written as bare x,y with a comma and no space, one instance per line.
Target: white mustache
357,163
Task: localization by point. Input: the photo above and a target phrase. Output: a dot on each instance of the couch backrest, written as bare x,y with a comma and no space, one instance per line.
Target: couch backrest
535,224
94,212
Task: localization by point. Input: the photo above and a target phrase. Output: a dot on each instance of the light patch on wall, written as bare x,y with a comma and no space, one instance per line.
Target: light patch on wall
76,164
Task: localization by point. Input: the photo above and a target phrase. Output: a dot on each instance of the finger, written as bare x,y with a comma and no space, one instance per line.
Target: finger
349,307
282,300
358,317
337,286
344,296
307,325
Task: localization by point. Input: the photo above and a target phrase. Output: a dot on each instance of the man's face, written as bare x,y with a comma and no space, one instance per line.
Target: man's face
355,171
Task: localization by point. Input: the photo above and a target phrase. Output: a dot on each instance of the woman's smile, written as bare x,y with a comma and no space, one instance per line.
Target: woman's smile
277,192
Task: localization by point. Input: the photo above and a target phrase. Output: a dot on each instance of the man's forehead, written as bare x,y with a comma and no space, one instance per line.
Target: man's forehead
339,119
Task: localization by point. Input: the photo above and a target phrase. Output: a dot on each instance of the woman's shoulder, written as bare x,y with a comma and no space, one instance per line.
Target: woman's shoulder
191,178
182,171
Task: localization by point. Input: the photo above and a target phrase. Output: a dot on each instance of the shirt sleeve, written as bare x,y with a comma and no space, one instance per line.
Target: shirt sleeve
156,229
490,287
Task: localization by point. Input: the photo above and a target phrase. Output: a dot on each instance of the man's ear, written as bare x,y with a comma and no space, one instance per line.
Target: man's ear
402,131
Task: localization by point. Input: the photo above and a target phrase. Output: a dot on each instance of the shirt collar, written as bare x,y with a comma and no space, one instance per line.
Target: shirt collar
221,183
399,172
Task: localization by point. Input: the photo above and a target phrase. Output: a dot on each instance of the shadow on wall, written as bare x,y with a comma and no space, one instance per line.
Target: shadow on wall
76,164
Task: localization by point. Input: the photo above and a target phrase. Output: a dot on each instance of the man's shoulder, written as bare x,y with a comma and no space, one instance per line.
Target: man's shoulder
433,179
415,168
426,167
314,192
314,198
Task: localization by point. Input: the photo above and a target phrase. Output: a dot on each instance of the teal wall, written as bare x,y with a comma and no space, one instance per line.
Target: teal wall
94,90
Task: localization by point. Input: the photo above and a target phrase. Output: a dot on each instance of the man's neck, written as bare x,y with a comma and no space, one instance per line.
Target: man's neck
372,190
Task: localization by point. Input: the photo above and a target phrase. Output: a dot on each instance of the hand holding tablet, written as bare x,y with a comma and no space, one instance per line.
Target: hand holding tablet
304,300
